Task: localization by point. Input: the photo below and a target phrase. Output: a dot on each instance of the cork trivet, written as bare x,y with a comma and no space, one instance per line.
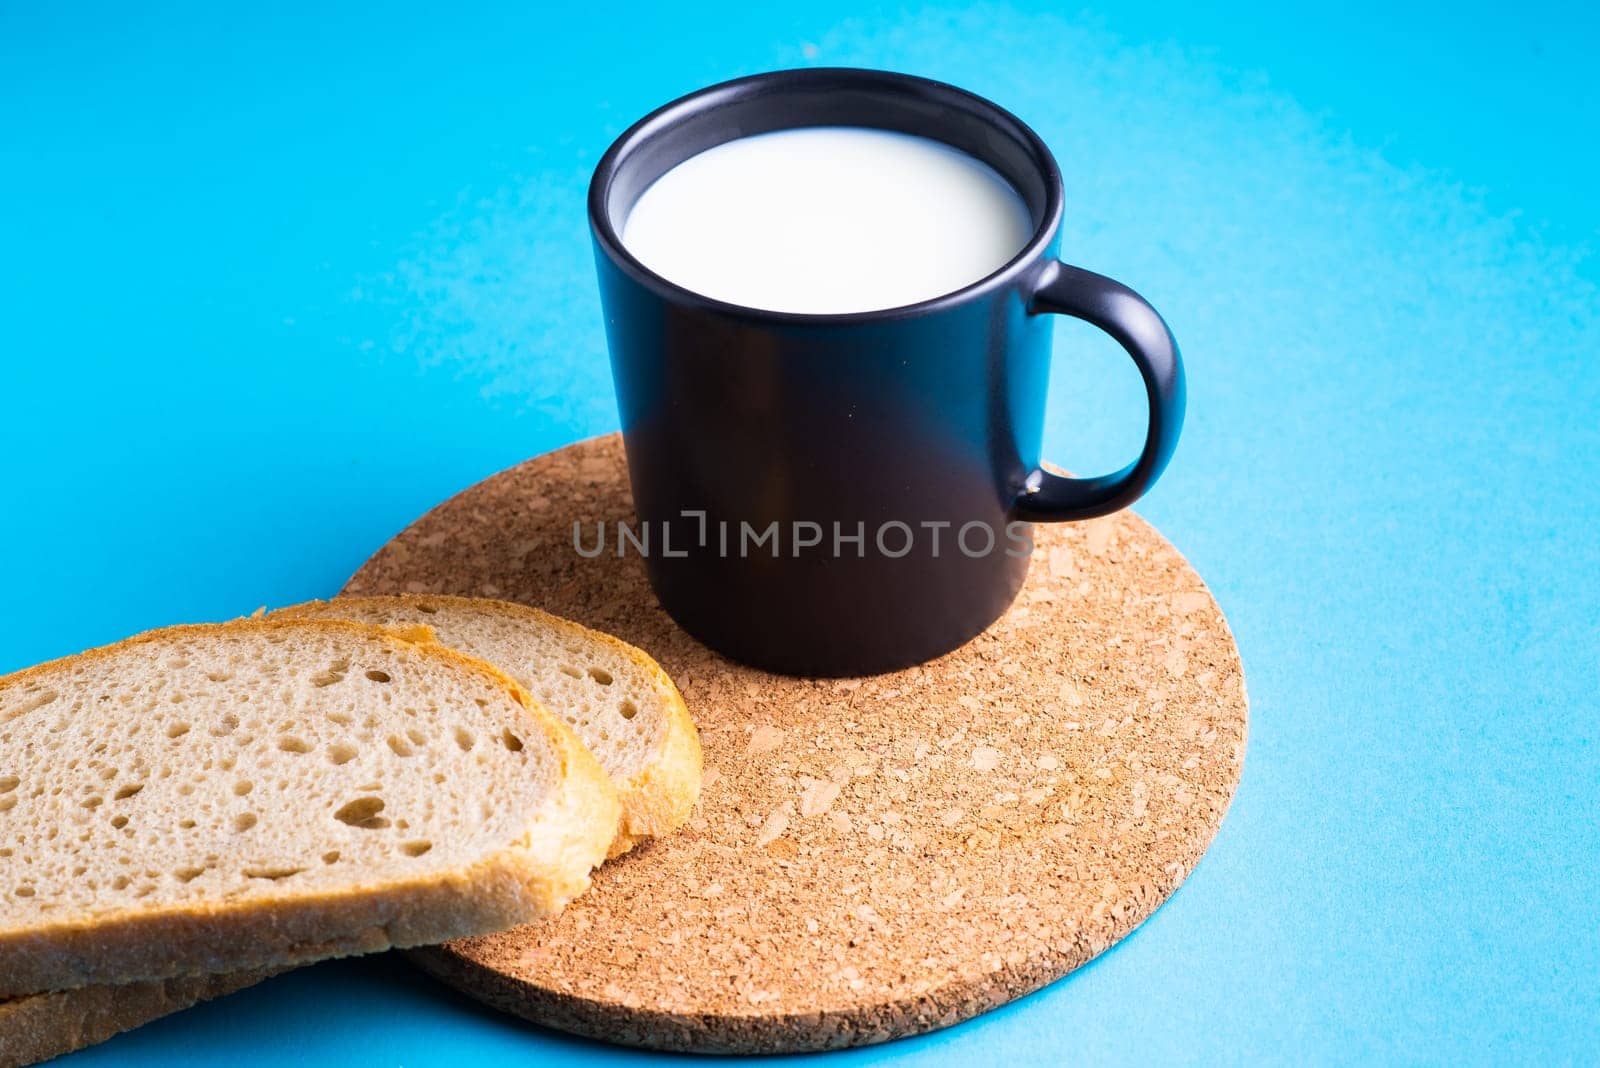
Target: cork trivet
871,858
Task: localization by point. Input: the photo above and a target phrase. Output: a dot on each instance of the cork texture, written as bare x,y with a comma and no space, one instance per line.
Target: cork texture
871,858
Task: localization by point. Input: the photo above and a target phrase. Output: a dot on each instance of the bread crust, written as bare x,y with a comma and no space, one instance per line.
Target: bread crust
42,1026
516,884
656,801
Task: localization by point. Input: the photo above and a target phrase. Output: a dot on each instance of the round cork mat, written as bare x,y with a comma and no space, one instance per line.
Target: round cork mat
871,858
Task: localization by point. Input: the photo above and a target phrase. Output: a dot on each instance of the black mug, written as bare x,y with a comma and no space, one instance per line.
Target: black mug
849,494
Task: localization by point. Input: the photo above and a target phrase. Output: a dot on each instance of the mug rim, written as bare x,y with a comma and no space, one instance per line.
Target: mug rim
660,121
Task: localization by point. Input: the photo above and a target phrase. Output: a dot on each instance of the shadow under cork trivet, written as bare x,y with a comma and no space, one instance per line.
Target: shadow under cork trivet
871,858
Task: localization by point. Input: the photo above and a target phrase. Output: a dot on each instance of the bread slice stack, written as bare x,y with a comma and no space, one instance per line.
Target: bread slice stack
195,808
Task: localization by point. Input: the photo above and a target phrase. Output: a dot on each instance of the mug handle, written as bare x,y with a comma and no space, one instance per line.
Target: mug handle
1128,317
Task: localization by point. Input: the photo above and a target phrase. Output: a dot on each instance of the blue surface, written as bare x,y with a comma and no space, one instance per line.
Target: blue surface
270,286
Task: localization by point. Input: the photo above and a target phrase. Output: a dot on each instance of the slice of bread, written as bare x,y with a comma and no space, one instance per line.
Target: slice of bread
266,793
617,699
42,1026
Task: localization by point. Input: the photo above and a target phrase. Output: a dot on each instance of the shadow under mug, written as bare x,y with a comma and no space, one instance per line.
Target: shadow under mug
850,494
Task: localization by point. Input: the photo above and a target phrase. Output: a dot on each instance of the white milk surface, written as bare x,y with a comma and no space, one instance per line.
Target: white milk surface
827,219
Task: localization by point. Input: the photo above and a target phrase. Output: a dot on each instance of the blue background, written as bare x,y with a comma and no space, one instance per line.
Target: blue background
272,285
